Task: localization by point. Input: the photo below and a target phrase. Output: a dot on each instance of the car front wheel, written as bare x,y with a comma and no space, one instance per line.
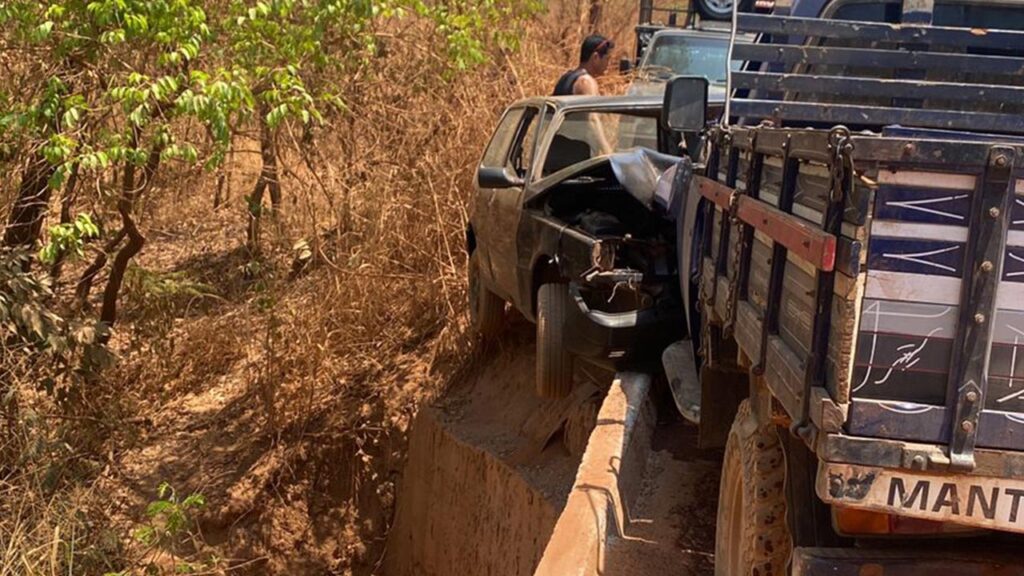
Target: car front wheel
554,363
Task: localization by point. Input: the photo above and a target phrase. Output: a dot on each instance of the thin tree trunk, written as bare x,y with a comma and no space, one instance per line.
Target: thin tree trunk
268,151
229,163
66,202
223,190
130,194
255,208
219,193
29,210
267,180
84,286
108,313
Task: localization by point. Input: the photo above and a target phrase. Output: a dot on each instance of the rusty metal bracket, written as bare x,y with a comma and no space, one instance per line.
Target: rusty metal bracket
986,247
722,255
843,175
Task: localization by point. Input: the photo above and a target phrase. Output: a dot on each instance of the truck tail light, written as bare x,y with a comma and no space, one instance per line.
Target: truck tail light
856,522
852,521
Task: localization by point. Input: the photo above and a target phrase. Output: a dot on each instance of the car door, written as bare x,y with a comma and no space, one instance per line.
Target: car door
498,210
496,157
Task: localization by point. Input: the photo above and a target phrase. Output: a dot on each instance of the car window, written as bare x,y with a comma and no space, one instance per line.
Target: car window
497,153
527,144
531,142
1006,17
585,135
689,56
522,156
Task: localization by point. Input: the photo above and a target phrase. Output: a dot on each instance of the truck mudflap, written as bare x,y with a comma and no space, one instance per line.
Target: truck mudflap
859,562
966,499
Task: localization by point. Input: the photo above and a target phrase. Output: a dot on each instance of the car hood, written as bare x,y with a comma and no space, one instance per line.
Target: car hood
637,170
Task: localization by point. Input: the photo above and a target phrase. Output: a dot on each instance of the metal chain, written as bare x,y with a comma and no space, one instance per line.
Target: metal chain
840,142
724,137
738,230
734,266
706,307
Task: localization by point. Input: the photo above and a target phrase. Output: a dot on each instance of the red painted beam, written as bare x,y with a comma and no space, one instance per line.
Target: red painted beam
805,240
718,193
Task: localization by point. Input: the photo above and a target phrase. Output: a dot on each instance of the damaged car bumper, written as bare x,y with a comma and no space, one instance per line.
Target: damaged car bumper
630,339
601,226
623,315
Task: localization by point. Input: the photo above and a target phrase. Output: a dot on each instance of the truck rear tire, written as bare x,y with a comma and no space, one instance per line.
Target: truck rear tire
752,536
486,309
554,363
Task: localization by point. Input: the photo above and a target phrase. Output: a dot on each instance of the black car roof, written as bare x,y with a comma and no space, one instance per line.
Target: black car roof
563,103
690,32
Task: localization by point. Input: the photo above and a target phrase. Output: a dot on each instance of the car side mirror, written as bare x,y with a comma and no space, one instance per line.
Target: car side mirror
685,108
491,177
625,66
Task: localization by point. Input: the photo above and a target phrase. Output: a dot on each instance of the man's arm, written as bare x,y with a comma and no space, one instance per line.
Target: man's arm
586,85
597,129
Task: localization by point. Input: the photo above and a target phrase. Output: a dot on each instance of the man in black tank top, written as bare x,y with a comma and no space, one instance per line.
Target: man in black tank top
595,54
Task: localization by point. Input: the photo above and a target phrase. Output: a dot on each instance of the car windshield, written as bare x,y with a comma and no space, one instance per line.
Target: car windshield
585,135
689,56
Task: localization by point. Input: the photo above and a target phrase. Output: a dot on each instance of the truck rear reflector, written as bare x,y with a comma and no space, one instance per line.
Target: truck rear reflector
856,522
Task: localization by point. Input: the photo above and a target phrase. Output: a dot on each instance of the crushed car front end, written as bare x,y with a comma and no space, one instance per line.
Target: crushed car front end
625,313
600,225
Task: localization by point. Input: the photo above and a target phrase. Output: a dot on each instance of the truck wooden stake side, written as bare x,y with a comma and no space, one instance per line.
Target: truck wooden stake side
852,256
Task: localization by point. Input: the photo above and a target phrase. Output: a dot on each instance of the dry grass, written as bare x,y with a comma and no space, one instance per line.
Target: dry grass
283,396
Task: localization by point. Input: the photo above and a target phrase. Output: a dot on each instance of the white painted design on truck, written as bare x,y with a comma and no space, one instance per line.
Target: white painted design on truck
910,355
919,205
921,257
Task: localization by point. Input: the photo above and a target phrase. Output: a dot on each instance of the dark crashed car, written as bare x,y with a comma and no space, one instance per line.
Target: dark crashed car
571,226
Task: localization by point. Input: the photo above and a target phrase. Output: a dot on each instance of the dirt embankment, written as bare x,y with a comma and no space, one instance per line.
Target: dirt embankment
469,502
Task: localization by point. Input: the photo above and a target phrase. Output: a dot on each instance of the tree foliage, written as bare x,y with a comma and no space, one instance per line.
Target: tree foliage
104,95
107,93
116,114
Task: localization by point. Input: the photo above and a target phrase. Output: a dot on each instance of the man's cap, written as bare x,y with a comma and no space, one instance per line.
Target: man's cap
595,43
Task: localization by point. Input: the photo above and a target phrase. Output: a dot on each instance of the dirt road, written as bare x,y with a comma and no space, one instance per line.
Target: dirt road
672,528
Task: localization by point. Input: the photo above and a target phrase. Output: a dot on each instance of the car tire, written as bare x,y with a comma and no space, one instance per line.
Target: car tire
720,9
714,9
554,363
751,535
486,309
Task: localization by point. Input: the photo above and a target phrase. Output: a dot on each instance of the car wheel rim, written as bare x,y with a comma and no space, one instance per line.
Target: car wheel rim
719,6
